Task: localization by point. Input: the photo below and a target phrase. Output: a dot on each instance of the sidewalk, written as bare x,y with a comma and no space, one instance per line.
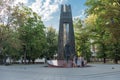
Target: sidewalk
39,72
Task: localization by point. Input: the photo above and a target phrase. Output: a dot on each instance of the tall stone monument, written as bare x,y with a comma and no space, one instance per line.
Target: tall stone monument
66,33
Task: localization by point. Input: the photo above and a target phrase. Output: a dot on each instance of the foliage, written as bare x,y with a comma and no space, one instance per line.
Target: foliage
51,46
22,27
105,27
82,39
9,42
31,32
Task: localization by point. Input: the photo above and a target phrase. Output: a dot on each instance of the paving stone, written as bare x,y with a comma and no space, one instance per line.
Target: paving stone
39,72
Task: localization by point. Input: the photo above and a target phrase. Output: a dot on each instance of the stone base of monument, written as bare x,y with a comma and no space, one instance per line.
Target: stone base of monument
59,63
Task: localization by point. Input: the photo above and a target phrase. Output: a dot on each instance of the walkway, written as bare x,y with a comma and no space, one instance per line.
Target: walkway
39,72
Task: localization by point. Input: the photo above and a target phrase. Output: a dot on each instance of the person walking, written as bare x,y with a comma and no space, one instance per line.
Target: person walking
75,61
79,61
82,61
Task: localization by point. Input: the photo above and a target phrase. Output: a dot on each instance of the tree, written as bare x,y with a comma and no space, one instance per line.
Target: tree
82,39
31,32
9,42
21,31
107,17
51,47
99,34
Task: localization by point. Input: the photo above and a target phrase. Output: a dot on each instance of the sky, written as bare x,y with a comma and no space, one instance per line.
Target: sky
49,10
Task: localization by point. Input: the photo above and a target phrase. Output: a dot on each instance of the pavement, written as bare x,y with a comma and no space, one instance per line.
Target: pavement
40,72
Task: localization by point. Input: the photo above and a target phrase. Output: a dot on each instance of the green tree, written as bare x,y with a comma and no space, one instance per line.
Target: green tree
21,31
9,42
107,12
99,34
51,37
82,39
31,33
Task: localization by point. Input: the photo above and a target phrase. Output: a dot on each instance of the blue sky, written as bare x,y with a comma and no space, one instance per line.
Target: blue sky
78,9
50,9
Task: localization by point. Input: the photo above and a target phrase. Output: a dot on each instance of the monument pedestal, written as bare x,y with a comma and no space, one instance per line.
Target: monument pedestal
60,63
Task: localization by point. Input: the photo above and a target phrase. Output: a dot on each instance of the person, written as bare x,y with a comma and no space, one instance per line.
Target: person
79,62
75,61
82,61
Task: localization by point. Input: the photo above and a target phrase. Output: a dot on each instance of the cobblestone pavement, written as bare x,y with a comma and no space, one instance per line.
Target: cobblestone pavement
39,72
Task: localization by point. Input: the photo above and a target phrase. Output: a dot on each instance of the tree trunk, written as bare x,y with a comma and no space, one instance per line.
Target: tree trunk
104,60
116,53
116,61
33,61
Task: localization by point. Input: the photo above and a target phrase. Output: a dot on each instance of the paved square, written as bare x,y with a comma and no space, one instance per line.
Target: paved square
39,72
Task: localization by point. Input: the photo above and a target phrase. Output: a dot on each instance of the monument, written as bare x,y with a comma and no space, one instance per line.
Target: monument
66,40
66,33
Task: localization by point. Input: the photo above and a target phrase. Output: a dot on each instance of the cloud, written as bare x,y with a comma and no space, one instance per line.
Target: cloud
20,1
81,15
46,8
3,3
